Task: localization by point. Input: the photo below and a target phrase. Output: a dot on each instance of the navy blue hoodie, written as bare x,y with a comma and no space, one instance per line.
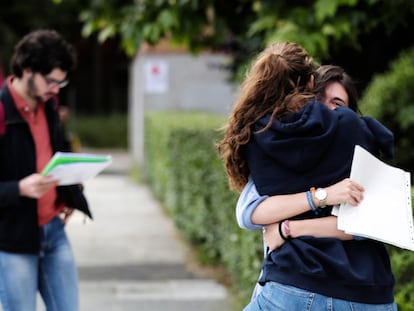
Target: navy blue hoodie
314,148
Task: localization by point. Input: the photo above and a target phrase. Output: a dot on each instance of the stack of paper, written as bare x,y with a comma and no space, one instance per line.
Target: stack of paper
75,168
385,213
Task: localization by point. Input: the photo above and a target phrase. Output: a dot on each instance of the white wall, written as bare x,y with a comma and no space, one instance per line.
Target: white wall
175,81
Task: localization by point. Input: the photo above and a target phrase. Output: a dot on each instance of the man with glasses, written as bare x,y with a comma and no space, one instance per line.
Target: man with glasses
35,254
52,83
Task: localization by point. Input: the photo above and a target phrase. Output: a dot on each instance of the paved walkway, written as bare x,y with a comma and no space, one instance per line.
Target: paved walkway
130,257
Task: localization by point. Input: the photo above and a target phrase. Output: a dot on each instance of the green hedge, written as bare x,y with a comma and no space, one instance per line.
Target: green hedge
183,170
100,131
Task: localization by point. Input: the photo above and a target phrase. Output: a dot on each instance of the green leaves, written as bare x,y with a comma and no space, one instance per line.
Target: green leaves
390,98
327,8
243,27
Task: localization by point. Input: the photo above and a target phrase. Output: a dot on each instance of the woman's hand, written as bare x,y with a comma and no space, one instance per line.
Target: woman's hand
271,236
345,191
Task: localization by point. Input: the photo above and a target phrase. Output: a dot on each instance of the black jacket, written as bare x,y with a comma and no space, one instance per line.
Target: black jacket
19,231
314,148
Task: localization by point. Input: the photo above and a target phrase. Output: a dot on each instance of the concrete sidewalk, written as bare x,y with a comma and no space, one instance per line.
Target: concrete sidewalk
130,257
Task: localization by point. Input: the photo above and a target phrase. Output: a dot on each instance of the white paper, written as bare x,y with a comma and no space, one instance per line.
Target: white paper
76,173
79,168
385,213
335,210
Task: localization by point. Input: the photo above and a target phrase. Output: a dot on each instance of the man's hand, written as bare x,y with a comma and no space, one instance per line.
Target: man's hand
35,185
66,213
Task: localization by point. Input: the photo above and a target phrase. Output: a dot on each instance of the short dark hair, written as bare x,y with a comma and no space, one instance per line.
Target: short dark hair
327,74
42,51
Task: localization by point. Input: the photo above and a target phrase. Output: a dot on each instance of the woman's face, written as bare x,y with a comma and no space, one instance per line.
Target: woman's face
335,96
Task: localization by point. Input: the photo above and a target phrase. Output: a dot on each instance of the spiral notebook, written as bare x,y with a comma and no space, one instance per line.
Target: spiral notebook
385,214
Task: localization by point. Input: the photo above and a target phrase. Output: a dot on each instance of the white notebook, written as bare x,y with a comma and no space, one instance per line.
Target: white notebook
385,213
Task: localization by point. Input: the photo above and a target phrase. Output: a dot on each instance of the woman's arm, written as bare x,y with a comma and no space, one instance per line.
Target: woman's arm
280,207
316,227
248,200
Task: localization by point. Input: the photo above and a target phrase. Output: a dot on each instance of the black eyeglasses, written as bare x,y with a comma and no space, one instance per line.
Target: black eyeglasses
51,83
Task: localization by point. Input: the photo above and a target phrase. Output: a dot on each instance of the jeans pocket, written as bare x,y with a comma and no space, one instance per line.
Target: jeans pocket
276,296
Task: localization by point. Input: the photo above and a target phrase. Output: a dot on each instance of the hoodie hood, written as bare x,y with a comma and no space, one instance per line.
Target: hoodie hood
299,140
312,147
383,137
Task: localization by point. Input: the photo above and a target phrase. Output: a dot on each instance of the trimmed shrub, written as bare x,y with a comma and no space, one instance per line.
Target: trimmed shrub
183,170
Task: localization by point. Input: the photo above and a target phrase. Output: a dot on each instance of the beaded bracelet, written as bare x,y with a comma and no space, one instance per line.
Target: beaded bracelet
311,202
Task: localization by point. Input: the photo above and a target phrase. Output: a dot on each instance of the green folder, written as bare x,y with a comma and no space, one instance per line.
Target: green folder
61,158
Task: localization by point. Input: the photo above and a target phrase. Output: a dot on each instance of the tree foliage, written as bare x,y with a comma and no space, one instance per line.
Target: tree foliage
244,26
193,23
390,99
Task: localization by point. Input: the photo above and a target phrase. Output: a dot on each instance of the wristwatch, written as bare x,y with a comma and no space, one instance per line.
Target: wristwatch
320,195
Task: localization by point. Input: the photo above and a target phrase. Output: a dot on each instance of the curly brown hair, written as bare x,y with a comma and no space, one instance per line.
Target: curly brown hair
277,84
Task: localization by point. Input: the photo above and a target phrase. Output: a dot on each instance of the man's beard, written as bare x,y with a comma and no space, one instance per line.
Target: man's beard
32,89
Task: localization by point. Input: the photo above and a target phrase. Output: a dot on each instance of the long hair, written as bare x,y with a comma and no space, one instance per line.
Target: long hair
277,84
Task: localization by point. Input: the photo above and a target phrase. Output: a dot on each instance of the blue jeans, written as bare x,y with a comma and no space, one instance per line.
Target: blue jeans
279,297
52,271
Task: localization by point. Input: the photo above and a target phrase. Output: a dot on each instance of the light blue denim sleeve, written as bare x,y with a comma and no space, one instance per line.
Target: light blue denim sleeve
248,200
